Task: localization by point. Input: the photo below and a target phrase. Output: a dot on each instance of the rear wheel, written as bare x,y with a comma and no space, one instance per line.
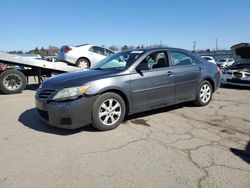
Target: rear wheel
108,111
204,94
12,81
83,63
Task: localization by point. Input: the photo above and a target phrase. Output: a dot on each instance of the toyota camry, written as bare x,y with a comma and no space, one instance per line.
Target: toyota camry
126,83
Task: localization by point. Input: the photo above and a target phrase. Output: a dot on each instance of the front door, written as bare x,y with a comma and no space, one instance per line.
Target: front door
155,87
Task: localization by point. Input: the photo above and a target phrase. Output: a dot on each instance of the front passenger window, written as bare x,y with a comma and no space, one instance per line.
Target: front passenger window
108,52
157,60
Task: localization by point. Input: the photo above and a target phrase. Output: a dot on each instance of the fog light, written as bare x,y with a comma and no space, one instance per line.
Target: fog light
66,121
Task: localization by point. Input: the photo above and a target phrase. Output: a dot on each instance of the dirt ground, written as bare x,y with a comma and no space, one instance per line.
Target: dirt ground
177,146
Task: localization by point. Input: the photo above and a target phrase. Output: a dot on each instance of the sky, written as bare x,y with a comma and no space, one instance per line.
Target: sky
26,24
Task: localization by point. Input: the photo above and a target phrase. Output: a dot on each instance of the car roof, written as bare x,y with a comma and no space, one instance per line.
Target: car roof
157,48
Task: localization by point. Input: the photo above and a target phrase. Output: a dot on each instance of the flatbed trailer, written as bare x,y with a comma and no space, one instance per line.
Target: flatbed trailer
15,80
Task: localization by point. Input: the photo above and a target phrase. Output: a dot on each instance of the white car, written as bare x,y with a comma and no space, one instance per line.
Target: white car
225,62
83,56
210,59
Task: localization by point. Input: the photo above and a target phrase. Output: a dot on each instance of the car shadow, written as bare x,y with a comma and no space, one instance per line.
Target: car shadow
243,154
32,87
158,111
31,119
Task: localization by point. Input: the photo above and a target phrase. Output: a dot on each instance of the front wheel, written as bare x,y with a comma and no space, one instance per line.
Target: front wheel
204,94
108,111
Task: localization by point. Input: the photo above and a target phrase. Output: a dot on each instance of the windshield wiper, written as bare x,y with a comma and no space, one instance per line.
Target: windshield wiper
97,68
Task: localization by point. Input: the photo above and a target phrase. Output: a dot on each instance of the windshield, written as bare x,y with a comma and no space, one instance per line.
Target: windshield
207,58
222,60
119,61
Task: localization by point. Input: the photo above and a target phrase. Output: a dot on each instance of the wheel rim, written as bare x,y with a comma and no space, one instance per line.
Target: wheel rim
110,112
205,93
12,82
83,64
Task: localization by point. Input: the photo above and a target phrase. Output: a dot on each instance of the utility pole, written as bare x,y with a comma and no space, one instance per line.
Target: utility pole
194,46
216,45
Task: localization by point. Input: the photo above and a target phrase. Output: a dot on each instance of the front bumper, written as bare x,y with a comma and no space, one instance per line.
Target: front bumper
67,115
231,80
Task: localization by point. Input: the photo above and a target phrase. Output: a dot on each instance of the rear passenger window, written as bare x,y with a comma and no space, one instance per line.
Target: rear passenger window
180,59
97,50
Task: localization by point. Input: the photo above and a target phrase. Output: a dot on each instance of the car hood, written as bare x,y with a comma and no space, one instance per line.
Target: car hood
242,50
78,78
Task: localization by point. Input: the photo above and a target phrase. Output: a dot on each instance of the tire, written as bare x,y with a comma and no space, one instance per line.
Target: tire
204,94
103,115
12,81
83,63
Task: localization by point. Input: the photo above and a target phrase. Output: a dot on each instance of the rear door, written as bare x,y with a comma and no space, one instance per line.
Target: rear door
153,88
187,74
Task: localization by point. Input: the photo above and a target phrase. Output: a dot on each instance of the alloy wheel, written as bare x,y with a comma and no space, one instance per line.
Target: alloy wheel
110,112
205,93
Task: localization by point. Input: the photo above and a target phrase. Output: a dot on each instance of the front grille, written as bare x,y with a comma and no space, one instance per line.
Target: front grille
238,74
238,81
43,114
44,94
66,121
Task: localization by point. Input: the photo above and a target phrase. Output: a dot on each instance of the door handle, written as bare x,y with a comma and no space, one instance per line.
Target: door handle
170,73
201,69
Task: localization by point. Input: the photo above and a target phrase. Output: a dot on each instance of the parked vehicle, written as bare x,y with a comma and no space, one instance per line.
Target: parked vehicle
126,83
50,58
225,62
16,69
83,56
239,73
210,59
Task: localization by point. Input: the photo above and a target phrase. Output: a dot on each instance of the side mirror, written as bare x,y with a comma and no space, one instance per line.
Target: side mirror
144,66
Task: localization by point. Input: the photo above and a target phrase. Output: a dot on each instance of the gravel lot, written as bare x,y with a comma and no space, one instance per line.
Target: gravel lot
178,146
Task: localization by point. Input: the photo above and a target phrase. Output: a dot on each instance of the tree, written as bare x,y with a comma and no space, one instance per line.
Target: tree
52,50
125,47
114,48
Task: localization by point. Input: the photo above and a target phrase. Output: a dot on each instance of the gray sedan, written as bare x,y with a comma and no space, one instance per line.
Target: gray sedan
126,83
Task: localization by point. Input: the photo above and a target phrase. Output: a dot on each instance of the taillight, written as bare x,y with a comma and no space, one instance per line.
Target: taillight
67,49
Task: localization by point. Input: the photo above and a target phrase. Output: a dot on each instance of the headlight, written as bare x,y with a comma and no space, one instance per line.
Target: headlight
70,93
